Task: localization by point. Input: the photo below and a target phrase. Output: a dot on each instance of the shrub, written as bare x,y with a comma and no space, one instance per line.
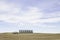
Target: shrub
15,32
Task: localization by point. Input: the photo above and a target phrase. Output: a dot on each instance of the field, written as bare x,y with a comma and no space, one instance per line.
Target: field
29,36
8,36
39,36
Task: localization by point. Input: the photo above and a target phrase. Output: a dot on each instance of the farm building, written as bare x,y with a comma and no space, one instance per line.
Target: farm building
25,31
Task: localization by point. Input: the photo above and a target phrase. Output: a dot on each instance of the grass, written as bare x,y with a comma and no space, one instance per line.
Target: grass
9,36
39,36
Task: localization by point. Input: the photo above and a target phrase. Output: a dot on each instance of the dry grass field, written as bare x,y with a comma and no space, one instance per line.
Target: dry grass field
29,36
39,36
9,36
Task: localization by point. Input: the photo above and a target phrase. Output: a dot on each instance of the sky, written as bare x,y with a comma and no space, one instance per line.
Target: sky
41,16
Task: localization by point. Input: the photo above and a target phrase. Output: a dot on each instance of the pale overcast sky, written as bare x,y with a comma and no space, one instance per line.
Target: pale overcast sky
38,15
